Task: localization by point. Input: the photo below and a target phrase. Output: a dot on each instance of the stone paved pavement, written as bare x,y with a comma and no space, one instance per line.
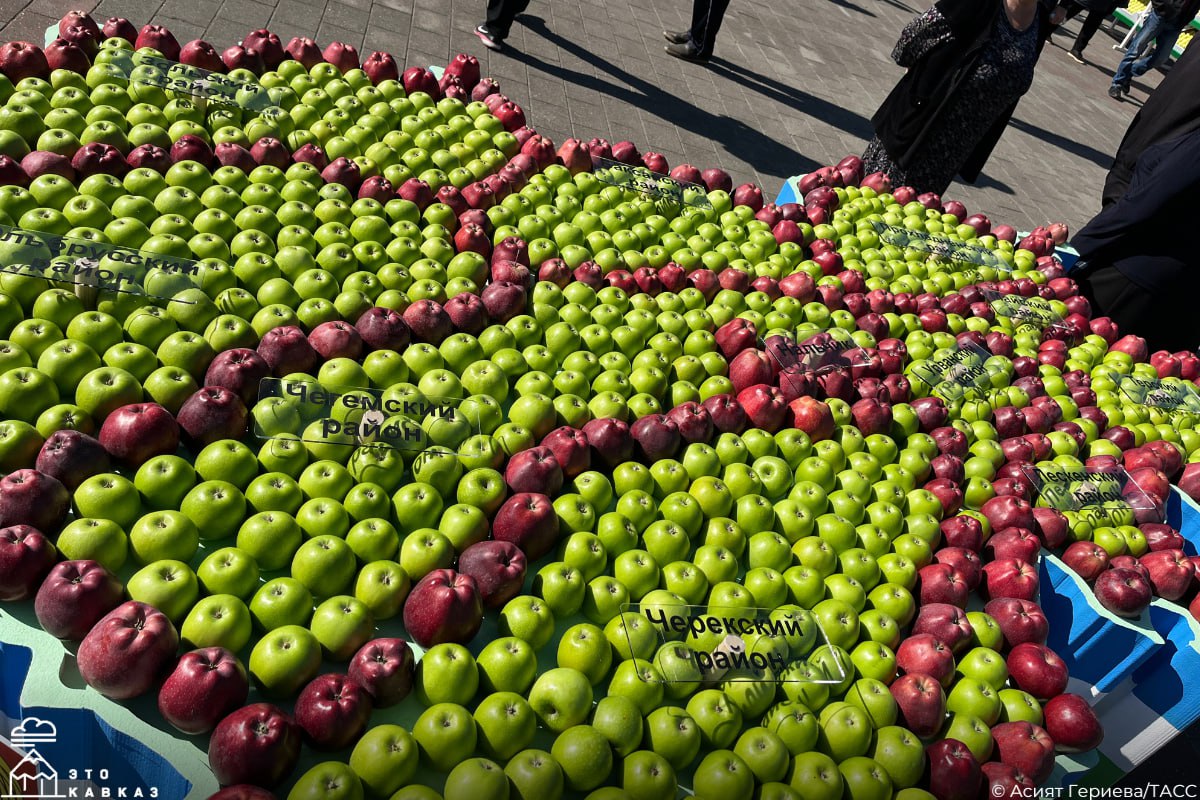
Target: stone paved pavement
793,85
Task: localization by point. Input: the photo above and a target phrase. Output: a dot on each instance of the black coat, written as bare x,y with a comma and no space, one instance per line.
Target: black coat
1172,110
911,111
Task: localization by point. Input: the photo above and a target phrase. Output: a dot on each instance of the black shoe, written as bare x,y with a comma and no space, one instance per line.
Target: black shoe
687,53
489,39
1114,92
677,38
1076,55
1125,88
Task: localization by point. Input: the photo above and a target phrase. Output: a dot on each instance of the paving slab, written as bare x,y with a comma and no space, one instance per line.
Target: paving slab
792,85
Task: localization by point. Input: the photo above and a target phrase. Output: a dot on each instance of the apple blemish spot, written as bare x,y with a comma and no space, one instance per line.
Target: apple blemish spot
709,644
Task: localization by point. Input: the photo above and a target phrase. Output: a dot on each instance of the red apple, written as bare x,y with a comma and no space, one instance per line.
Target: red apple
527,520
35,499
953,773
1037,669
1072,724
127,651
205,686
498,568
258,744
921,703
1025,747
444,606
134,434
74,597
385,669
332,710
1123,591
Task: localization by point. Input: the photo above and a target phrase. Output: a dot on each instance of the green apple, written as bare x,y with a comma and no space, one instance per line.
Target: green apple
719,720
164,535
534,775
281,602
585,648
109,496
169,586
722,773
507,664
528,618
385,759
229,571
561,698
817,775
794,724
329,780
219,620
325,565
446,736
585,756
217,508
342,624
99,540
284,660
506,724
382,586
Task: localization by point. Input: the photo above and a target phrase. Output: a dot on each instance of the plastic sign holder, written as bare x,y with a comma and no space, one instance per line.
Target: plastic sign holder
359,416
213,87
1036,311
96,267
1172,395
939,246
709,644
1101,496
961,374
662,188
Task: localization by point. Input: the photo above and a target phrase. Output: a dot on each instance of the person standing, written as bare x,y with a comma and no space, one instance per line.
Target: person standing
1098,11
968,62
500,16
1135,265
696,43
1172,110
1161,28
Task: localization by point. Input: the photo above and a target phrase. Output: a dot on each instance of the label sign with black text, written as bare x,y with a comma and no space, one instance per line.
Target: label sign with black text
1176,396
103,267
1104,496
939,246
652,184
960,374
1035,311
711,644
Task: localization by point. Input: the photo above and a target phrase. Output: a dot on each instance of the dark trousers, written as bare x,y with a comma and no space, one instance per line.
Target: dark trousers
1091,23
706,21
501,13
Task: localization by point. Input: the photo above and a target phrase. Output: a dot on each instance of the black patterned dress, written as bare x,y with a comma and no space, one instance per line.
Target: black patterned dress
1002,75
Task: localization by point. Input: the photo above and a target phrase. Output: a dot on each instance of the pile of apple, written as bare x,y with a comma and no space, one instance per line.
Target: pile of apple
600,408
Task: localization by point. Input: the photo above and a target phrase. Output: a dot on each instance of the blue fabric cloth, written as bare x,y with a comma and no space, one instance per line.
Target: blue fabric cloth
1155,30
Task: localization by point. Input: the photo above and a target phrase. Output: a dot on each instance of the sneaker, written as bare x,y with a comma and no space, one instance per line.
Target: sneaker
1114,92
488,38
687,53
1125,88
1076,56
677,38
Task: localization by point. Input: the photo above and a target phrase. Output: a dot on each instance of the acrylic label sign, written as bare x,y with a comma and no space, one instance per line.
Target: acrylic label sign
211,86
1101,496
817,353
1035,311
398,418
101,267
713,644
1177,396
938,246
652,184
960,374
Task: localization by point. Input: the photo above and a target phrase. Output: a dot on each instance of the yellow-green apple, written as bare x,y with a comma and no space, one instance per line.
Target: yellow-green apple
900,753
446,735
506,724
585,757
561,698
258,744
385,759
284,659
74,596
205,686
620,721
342,624
125,654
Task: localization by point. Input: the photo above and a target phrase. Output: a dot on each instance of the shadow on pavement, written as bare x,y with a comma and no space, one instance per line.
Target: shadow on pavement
1097,157
739,139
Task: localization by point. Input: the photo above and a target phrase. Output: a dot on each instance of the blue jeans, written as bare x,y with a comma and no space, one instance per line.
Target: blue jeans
1154,31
